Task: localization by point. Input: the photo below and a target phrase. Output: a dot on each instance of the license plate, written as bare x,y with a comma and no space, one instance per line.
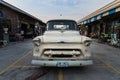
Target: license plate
62,64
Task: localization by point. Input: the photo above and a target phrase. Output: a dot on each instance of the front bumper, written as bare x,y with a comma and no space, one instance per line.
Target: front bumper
61,63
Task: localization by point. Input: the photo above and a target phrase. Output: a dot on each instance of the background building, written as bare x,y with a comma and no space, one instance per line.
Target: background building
105,20
15,20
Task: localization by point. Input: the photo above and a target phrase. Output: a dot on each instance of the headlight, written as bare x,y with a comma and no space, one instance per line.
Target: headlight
87,43
37,42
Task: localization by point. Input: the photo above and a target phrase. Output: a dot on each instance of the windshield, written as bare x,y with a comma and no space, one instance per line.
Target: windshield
61,25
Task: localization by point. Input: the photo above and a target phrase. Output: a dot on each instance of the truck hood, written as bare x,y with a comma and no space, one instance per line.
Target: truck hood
63,37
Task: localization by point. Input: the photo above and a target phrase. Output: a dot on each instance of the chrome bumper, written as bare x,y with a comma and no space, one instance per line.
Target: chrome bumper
61,63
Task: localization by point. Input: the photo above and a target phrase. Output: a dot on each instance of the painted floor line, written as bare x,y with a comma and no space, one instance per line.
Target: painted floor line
60,75
26,66
97,66
16,61
107,64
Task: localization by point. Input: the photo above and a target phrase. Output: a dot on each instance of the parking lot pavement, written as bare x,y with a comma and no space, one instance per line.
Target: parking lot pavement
109,55
13,51
105,67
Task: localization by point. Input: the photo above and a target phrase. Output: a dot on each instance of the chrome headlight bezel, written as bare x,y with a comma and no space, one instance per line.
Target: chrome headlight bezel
37,42
87,43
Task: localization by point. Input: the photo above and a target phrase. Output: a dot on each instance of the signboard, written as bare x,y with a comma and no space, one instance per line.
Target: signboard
1,15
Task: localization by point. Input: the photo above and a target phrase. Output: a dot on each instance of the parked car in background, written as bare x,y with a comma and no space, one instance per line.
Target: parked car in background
61,46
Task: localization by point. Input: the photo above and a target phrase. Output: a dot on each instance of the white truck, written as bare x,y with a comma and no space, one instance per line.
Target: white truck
61,46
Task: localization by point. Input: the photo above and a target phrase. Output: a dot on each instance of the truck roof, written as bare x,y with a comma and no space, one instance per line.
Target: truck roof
61,20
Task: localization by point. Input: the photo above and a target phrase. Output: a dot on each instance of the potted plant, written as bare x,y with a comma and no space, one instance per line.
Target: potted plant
6,24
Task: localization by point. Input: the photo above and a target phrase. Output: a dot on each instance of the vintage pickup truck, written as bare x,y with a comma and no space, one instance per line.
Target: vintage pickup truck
61,45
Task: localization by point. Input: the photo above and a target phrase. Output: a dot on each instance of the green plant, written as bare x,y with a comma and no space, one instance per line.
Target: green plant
117,27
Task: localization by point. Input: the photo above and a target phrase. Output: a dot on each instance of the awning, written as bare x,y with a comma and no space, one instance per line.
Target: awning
117,9
98,17
112,11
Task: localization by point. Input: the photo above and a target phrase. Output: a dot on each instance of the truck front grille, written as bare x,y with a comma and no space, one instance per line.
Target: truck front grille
62,53
60,56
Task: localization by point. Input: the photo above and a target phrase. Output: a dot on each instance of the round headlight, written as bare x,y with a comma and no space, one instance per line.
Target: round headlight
37,42
87,43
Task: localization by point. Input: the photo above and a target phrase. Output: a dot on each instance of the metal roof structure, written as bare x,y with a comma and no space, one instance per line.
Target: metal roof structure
18,10
104,11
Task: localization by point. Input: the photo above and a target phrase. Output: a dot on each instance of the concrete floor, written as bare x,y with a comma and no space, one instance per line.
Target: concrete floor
16,57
